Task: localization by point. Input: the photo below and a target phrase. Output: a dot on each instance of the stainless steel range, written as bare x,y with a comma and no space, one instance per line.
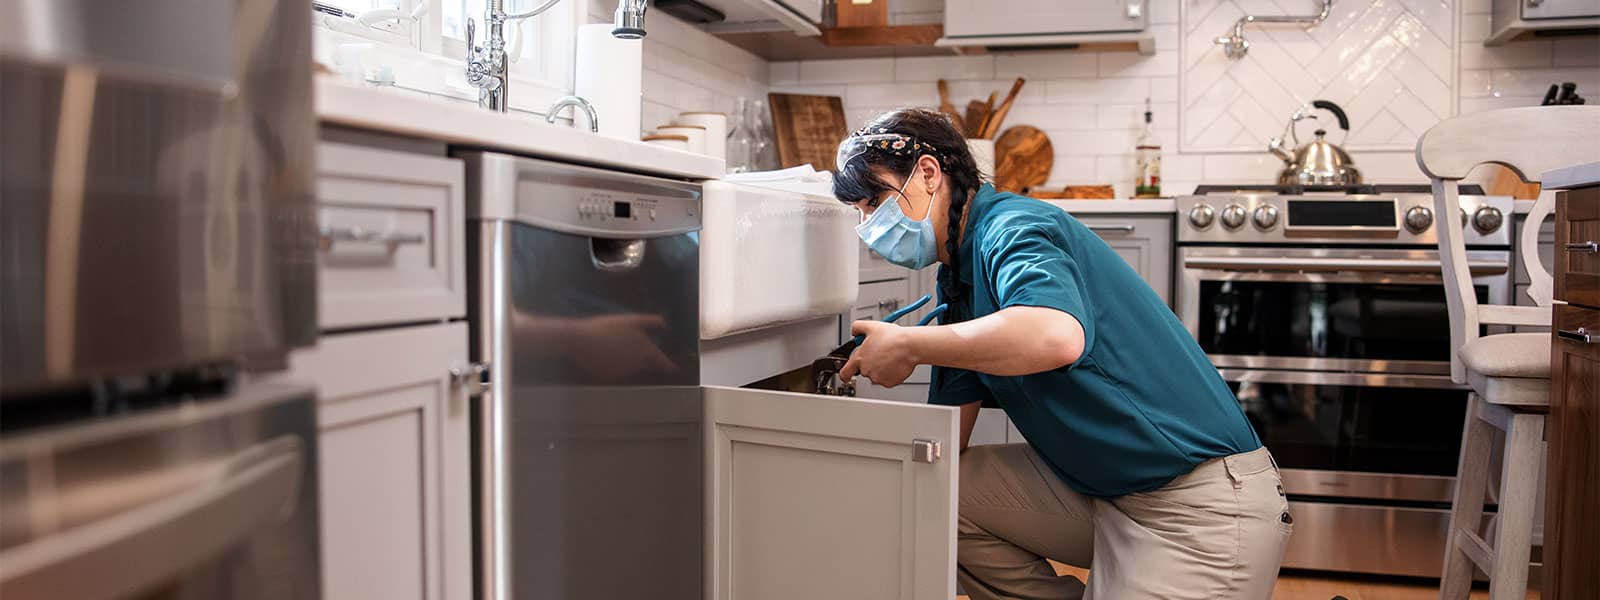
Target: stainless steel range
1324,309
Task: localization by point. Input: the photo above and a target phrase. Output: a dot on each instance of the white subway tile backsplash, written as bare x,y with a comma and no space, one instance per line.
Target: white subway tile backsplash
1476,7
1390,167
784,72
1122,116
1242,168
1133,64
1046,65
1052,116
1185,167
1164,89
1096,91
1069,169
810,89
1535,82
932,68
1577,52
855,70
1531,53
1033,91
1476,83
891,94
1163,12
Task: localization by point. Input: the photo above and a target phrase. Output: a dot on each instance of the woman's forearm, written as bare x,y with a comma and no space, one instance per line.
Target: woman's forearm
1018,340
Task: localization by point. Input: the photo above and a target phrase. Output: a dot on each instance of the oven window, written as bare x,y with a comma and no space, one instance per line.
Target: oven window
1367,429
1326,320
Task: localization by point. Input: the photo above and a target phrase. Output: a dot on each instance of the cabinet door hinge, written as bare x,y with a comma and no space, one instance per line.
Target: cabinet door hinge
473,378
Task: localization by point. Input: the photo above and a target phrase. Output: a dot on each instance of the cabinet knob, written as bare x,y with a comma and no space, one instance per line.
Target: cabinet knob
925,451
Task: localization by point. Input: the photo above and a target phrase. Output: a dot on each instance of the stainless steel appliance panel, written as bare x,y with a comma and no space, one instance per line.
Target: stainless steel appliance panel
590,440
1270,218
157,174
1367,539
1337,309
211,499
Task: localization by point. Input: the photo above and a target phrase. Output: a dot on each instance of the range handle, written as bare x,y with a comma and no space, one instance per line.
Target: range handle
1385,265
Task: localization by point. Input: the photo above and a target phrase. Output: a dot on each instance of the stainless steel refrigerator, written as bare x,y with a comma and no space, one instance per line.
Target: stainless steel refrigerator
156,253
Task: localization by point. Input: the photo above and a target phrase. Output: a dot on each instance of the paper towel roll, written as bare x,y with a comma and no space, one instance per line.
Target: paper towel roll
609,75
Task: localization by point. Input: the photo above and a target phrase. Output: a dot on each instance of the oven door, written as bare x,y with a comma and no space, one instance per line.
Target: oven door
1357,435
1327,309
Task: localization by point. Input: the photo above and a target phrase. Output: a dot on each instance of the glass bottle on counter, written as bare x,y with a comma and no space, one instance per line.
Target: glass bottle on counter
765,150
1147,159
741,139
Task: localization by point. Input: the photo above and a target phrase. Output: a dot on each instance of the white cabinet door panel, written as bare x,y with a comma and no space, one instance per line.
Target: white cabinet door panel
819,497
394,463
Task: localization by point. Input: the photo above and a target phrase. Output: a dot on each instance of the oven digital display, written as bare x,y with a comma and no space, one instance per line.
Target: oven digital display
1342,213
622,210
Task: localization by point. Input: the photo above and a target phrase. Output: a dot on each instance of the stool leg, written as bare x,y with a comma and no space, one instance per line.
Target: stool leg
1518,492
1466,508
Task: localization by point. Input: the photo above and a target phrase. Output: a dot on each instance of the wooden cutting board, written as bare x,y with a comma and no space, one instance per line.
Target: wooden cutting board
1023,158
807,129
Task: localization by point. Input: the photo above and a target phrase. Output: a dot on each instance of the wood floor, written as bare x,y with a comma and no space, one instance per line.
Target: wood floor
1298,587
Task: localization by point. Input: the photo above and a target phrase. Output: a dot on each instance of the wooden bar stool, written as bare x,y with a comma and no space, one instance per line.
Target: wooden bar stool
1509,373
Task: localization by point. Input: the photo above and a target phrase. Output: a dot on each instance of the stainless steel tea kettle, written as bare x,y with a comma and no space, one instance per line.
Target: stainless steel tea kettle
1319,162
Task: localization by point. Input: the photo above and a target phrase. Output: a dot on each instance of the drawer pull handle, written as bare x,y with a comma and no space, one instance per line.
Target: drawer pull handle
334,235
1111,228
1582,335
1587,247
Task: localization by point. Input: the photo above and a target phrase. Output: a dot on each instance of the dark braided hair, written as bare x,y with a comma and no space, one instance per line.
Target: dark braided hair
931,133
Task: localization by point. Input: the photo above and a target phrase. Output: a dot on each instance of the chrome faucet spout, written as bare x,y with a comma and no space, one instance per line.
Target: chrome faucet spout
628,23
554,113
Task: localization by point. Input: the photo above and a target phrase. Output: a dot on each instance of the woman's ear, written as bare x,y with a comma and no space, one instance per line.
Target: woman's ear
931,175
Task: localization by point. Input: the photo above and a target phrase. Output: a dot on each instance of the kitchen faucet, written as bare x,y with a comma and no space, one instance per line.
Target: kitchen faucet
488,66
555,111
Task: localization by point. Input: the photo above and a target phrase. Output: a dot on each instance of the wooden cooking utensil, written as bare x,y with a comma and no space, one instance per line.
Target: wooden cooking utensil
1023,158
975,117
946,107
1078,192
807,129
998,116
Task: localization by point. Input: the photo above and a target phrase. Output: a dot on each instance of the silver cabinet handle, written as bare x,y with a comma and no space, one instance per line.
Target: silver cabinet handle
1135,8
926,451
1124,228
357,235
1581,336
1585,247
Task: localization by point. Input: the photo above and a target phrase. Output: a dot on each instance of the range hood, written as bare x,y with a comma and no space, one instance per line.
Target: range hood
804,18
1022,24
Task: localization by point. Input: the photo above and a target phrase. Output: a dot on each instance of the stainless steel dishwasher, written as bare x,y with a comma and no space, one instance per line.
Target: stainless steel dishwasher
588,441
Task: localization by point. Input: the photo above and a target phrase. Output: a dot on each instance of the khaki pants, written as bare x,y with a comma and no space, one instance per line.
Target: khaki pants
1217,532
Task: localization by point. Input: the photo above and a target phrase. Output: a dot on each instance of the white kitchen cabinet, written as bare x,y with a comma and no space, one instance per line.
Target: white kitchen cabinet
984,18
822,497
1144,241
392,237
394,471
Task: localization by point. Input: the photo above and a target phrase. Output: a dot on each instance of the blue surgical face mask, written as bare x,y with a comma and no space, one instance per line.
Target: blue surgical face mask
897,238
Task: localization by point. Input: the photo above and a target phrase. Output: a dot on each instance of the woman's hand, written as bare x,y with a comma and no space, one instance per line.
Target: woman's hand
886,357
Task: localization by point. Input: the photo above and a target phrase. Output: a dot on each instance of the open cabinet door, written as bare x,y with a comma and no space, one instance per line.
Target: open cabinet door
820,497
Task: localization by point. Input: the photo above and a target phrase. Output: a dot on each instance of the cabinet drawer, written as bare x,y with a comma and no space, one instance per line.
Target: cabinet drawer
877,300
392,227
1577,262
1144,242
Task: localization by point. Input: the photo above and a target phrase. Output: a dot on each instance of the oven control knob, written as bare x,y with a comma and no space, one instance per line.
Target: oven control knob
1419,219
1233,216
1487,219
1202,215
1266,216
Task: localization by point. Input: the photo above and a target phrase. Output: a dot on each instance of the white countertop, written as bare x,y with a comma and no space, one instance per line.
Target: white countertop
401,112
1575,176
1126,206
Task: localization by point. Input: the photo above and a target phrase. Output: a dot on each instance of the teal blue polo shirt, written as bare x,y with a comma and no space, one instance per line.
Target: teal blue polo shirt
1142,405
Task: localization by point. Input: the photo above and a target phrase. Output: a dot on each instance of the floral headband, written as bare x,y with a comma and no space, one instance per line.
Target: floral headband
881,140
